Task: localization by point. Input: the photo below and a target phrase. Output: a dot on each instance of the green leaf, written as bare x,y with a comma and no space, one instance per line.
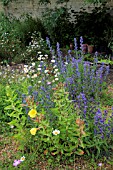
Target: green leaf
8,107
55,110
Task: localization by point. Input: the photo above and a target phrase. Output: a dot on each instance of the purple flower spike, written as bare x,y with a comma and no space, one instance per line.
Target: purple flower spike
75,44
58,50
16,162
81,42
48,42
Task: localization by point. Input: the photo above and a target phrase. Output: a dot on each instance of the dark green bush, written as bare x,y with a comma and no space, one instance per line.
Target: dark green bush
58,25
94,26
25,26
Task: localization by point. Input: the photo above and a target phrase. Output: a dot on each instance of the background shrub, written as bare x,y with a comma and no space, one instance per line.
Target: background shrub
58,25
15,35
94,26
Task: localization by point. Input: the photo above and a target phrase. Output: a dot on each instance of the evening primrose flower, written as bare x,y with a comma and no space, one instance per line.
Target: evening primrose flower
22,158
56,132
33,131
32,113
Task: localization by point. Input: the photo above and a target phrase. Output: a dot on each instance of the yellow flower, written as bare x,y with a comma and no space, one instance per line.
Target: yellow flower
33,131
32,113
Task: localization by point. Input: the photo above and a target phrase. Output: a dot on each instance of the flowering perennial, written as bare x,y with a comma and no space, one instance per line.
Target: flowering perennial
32,113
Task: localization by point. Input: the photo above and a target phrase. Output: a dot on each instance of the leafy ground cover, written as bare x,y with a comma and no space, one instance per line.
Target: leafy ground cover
56,113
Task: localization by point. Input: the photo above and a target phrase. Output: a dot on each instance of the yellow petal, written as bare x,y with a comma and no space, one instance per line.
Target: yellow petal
32,113
33,131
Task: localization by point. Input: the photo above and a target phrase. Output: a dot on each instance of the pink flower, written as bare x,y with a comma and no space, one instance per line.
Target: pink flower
100,164
48,83
16,162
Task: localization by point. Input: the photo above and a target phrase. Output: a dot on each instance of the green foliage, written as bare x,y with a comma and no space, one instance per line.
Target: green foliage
58,25
95,1
71,134
6,2
25,26
49,1
44,2
36,45
52,107
4,119
90,25
13,104
106,97
16,34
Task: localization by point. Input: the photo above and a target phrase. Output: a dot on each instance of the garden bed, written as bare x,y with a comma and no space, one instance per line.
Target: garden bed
52,112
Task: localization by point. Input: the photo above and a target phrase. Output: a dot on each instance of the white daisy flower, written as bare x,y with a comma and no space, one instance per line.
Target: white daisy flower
56,75
56,132
46,55
53,57
46,71
56,79
55,70
26,70
66,63
38,68
39,58
22,158
39,52
28,76
11,126
33,64
43,58
34,76
25,66
41,55
54,66
52,61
